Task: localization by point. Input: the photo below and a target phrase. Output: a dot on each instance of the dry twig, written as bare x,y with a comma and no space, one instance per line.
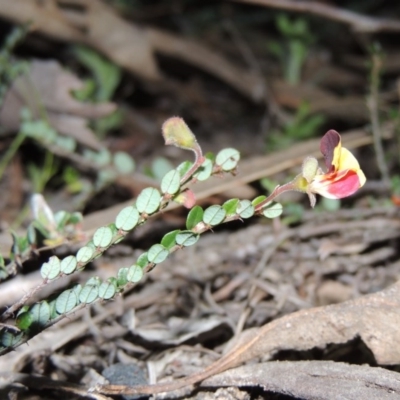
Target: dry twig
358,22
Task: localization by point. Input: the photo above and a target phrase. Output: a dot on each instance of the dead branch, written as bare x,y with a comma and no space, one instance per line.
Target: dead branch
128,45
358,22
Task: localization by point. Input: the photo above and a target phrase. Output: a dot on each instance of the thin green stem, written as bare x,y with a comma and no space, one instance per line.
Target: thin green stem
15,145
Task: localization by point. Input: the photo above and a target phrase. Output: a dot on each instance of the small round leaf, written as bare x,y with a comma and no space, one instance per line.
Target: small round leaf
205,170
194,217
107,290
10,339
84,254
148,201
89,294
127,218
68,265
187,238
258,200
142,260
230,206
228,159
66,301
24,321
40,313
94,280
103,237
184,167
122,279
273,211
214,215
171,182
245,209
135,273
168,240
157,253
51,269
123,162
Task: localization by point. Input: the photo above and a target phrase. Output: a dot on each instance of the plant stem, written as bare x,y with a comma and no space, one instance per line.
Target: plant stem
11,152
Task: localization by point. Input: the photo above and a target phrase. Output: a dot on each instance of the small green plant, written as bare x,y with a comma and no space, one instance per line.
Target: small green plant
292,53
100,87
303,125
9,67
343,178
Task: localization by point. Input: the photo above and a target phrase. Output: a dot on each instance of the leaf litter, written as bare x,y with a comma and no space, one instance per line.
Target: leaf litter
257,287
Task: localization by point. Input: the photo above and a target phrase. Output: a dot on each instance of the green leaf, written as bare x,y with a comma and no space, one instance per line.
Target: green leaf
84,254
187,238
214,215
53,311
330,204
194,217
66,143
31,234
77,289
40,313
230,206
107,74
258,200
61,218
148,201
107,290
142,260
24,321
66,301
228,159
122,276
171,182
245,209
157,253
68,265
75,218
103,237
168,240
159,167
10,339
94,280
127,218
184,167
124,163
205,170
51,269
273,211
88,294
135,273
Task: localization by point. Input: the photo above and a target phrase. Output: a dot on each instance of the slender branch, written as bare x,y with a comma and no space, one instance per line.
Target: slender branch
358,22
373,106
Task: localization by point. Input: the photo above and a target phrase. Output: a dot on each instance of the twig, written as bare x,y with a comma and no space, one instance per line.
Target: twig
41,382
373,106
358,22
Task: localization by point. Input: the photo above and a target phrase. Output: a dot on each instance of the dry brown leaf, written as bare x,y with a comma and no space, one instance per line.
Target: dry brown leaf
314,380
374,318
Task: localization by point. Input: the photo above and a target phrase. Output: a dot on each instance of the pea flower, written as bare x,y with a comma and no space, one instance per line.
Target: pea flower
343,177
